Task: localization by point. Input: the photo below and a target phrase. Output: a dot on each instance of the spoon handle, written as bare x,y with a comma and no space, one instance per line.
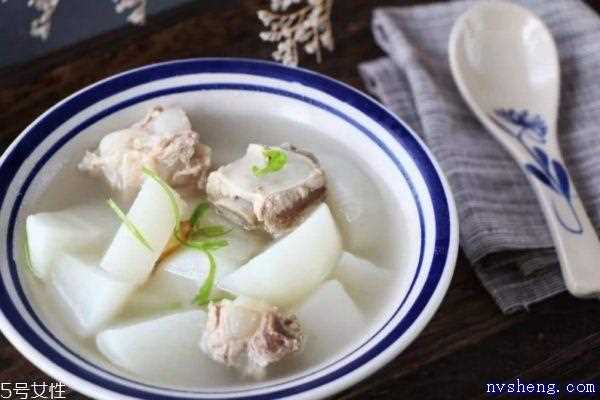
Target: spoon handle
576,242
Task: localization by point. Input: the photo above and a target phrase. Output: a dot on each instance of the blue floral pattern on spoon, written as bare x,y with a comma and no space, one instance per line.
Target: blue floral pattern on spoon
530,131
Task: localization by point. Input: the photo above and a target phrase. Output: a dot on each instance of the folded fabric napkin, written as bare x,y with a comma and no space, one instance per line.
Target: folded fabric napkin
503,231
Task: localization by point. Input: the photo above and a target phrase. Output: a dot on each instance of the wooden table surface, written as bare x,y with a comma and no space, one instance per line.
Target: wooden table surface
467,344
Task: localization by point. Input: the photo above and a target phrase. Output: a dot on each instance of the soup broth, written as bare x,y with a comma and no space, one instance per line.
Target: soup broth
361,204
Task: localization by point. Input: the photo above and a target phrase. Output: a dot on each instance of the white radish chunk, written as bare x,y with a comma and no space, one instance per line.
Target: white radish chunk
164,348
90,296
152,214
351,195
82,229
177,281
293,266
193,265
330,319
363,280
243,245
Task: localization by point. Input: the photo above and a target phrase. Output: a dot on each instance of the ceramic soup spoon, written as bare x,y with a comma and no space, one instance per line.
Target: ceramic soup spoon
505,64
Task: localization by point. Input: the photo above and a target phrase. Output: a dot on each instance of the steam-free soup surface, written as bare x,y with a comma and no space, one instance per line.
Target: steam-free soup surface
339,313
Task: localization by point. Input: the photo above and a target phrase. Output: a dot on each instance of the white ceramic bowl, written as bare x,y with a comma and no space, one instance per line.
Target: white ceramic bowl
233,102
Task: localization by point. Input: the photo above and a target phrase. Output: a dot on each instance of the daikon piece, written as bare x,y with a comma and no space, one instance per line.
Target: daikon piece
193,264
82,229
128,258
293,266
243,244
352,196
363,280
165,348
90,296
178,279
330,319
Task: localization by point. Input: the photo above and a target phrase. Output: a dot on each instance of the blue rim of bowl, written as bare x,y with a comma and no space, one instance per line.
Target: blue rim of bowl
176,90
62,112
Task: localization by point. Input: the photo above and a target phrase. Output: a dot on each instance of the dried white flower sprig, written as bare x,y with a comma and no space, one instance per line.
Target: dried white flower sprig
282,5
40,26
309,27
138,15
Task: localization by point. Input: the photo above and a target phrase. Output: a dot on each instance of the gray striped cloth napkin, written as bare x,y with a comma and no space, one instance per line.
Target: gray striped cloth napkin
503,232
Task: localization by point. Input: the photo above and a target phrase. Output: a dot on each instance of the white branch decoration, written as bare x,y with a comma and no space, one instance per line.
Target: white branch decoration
282,5
310,27
138,15
40,26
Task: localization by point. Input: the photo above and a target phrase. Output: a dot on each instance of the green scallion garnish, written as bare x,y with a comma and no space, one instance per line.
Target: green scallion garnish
198,213
128,224
212,231
275,160
206,246
205,290
173,200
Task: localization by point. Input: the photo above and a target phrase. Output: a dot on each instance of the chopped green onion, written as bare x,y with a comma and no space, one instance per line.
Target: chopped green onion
206,231
174,205
173,306
128,224
198,213
207,245
222,297
212,231
203,295
27,255
210,245
275,160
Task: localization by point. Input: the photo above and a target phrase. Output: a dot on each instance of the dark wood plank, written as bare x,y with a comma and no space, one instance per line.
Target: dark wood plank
467,344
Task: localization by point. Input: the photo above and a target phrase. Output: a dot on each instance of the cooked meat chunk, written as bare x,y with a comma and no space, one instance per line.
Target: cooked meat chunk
275,201
163,142
249,334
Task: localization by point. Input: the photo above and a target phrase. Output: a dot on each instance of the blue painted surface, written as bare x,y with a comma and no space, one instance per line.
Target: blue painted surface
530,131
73,21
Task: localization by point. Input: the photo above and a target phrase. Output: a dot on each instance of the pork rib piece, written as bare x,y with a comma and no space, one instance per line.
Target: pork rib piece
163,141
249,334
275,201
